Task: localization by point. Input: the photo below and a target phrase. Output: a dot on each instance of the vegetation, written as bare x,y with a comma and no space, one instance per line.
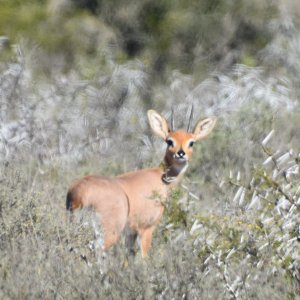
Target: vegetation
76,80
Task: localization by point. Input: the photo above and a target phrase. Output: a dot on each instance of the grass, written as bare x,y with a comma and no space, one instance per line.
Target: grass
231,231
225,254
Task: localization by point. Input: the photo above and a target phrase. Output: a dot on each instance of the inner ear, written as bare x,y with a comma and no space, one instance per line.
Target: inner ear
204,128
158,124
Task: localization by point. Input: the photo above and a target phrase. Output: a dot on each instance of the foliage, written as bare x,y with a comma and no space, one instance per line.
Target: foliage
189,36
76,80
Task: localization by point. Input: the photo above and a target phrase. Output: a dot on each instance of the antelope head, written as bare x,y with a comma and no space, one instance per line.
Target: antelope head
179,142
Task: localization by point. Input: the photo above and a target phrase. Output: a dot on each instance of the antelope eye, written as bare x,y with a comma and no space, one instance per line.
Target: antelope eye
170,143
191,144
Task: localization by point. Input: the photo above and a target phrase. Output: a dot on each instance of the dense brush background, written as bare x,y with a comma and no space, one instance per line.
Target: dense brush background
76,80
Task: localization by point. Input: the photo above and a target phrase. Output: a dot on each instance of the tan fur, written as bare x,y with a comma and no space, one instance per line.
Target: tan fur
135,200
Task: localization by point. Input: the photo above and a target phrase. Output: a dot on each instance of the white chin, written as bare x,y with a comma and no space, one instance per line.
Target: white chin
181,159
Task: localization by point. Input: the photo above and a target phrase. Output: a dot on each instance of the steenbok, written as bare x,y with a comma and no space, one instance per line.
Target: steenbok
135,200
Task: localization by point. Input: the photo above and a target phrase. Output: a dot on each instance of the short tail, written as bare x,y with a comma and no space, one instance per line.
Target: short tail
69,201
69,207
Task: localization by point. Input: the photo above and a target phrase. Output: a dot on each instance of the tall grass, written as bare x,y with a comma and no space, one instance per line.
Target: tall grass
230,231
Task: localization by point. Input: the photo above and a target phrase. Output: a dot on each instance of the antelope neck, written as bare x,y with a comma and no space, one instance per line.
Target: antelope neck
171,172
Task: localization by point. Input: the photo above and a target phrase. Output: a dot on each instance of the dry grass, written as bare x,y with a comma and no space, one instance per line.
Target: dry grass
238,252
230,232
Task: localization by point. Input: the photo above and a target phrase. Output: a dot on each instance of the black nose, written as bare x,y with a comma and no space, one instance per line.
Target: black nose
181,153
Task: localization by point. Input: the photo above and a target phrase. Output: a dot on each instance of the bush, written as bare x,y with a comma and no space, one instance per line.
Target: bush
231,230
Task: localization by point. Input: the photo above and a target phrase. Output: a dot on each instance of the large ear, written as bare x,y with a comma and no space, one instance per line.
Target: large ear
158,124
204,128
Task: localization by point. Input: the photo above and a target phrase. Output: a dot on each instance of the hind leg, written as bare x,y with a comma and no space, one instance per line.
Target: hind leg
110,238
130,240
111,229
106,235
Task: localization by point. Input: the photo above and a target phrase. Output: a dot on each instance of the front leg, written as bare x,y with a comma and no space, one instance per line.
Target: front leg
146,239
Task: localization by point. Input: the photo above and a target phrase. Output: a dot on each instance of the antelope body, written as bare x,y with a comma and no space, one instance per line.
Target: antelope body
135,200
